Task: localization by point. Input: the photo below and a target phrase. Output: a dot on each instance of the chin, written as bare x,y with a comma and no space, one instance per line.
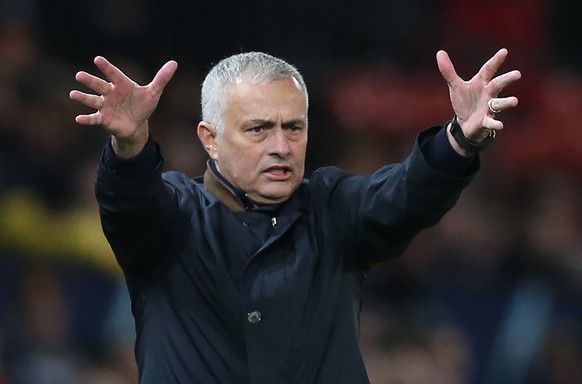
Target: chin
274,197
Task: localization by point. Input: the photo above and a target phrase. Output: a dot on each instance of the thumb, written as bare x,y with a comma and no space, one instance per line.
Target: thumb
163,77
446,67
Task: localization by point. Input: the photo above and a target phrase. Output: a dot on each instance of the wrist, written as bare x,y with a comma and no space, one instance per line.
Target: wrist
464,146
131,146
456,147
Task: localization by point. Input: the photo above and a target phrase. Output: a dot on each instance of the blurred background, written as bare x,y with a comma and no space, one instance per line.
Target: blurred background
490,295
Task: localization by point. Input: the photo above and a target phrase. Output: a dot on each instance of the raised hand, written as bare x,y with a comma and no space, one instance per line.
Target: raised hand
475,102
123,106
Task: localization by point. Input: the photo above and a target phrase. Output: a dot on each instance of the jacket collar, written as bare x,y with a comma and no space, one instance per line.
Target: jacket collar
235,199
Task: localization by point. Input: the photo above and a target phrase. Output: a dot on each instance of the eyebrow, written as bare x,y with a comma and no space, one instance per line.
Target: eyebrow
294,122
261,122
271,123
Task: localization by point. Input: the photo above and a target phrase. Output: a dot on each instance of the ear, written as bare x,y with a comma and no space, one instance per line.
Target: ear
207,135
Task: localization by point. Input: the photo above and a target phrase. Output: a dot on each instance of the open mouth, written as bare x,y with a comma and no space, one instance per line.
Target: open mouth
278,172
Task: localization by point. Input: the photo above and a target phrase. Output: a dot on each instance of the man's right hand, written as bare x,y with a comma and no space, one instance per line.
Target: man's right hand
123,106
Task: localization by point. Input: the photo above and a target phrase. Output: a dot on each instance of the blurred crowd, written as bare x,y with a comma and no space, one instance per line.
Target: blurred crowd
490,295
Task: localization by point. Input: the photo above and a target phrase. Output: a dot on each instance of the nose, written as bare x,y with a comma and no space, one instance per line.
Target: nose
279,144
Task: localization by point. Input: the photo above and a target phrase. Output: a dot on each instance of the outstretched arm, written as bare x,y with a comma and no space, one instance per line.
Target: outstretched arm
475,101
123,106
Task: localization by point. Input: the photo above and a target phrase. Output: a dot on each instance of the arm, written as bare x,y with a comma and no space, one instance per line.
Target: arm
381,213
388,208
135,207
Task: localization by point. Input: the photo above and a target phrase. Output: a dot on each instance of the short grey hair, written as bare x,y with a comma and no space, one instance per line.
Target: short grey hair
256,67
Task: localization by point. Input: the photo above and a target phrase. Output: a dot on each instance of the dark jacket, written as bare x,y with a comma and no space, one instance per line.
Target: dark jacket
224,294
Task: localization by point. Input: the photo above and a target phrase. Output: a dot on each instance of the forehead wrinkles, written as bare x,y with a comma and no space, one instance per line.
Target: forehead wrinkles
273,101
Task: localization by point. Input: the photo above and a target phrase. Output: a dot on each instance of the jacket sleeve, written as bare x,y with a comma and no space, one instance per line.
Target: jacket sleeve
381,213
139,214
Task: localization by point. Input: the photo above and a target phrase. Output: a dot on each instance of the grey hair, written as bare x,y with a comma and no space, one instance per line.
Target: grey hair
256,67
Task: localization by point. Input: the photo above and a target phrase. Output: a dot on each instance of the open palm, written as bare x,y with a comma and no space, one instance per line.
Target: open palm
469,98
122,105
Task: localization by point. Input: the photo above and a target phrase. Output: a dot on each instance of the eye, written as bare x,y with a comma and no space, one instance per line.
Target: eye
294,128
256,130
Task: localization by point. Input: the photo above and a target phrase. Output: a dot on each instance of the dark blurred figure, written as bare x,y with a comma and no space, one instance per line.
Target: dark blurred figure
565,35
43,352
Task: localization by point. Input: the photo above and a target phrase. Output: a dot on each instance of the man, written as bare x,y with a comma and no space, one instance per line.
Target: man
252,274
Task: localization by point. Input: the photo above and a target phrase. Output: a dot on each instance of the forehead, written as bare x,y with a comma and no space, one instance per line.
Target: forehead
280,96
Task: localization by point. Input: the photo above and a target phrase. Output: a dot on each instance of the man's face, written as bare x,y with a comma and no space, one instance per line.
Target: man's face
262,147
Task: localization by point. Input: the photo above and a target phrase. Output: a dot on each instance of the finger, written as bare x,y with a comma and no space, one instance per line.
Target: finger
502,81
490,67
491,123
93,82
447,68
111,72
92,101
77,95
504,103
90,119
163,77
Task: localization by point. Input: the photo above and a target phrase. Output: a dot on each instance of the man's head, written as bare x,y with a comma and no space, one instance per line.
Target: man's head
254,124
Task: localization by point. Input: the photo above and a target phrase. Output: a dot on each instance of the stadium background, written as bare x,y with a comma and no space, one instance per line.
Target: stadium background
490,295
